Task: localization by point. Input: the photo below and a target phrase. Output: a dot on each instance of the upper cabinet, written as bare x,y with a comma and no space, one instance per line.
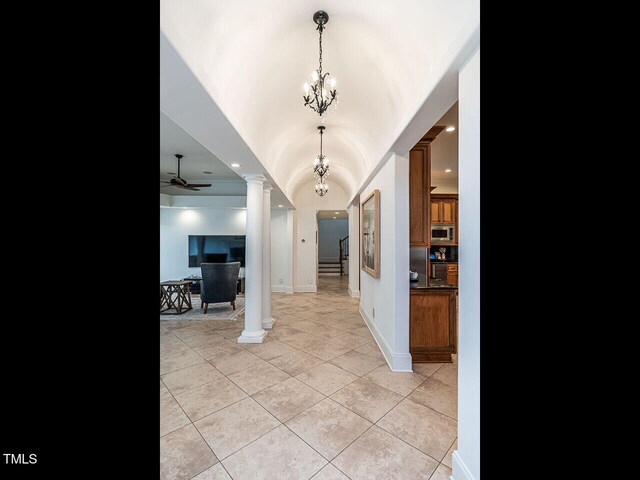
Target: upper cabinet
419,167
420,189
443,210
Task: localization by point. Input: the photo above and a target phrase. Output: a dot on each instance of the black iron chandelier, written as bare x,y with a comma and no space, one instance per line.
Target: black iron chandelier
316,95
321,168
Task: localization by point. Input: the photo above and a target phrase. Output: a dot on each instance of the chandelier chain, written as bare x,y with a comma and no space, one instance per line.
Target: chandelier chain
316,96
320,42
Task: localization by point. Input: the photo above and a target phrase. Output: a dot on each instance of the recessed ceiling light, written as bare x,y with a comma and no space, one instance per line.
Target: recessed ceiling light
235,165
334,217
448,170
279,206
450,129
171,173
208,173
337,213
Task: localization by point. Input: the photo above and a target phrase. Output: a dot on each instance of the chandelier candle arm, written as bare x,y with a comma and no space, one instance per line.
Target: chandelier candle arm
320,101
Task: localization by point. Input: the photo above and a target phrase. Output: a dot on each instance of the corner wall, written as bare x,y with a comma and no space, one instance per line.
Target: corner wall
466,460
282,250
384,301
354,250
305,253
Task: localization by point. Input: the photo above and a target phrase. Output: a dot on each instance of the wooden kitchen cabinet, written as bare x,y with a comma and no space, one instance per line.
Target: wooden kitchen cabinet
452,274
419,173
432,324
420,189
444,210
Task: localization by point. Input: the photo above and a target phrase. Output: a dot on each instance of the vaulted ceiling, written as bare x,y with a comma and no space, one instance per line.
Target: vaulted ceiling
253,56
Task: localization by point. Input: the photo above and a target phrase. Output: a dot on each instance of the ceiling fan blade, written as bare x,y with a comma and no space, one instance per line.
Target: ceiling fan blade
165,186
179,181
191,188
199,185
162,181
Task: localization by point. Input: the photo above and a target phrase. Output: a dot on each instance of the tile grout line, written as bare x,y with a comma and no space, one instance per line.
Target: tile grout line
283,423
406,397
328,361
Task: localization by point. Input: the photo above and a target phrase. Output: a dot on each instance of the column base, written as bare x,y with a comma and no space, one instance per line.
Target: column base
252,337
268,323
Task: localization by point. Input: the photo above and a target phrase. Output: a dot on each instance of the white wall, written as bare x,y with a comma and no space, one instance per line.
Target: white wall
176,224
330,232
354,250
466,460
282,250
307,204
165,200
388,295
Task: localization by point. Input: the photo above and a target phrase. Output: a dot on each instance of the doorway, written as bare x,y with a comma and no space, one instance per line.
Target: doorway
333,249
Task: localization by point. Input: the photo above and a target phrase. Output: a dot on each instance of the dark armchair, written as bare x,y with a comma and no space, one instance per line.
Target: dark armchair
219,283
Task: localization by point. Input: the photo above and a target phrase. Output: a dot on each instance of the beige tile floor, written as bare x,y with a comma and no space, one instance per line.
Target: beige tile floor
316,400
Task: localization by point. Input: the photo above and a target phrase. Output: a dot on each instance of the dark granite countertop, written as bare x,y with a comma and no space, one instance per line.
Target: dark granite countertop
435,284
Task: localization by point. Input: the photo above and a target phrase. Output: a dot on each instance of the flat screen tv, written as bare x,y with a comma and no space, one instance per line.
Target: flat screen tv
216,249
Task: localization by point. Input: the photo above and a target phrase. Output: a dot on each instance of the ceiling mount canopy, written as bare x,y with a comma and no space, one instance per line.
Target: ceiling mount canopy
320,18
316,95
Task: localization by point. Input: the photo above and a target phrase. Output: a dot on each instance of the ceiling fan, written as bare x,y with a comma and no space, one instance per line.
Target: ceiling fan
178,182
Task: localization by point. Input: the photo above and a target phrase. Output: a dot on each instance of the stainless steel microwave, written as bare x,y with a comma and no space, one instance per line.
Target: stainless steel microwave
443,234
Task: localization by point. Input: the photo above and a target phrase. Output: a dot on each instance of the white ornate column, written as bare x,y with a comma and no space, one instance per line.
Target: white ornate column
267,320
253,331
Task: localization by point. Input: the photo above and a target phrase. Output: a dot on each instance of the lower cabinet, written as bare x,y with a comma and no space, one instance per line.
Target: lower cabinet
452,274
432,324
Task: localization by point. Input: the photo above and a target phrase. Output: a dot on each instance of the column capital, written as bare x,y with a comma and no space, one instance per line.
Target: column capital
267,187
255,179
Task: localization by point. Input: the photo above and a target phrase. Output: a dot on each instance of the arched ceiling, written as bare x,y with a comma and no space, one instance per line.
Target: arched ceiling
253,57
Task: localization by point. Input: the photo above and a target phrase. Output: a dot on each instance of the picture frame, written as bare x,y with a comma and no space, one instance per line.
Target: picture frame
370,234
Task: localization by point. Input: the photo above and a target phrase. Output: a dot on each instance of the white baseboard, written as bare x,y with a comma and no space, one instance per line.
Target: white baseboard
398,362
459,470
305,288
353,293
281,289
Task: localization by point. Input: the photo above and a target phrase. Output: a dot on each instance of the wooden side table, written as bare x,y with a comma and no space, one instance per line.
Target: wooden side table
175,295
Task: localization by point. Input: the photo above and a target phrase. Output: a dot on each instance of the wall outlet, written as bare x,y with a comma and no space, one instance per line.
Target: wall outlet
309,280
374,313
280,281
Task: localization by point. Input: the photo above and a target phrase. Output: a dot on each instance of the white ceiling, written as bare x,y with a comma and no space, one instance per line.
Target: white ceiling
196,160
252,58
444,153
329,214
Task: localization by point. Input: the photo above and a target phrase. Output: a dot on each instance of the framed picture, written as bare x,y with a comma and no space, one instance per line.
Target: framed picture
370,234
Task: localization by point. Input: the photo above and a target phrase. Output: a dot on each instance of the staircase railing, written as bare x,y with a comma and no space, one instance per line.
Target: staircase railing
344,252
